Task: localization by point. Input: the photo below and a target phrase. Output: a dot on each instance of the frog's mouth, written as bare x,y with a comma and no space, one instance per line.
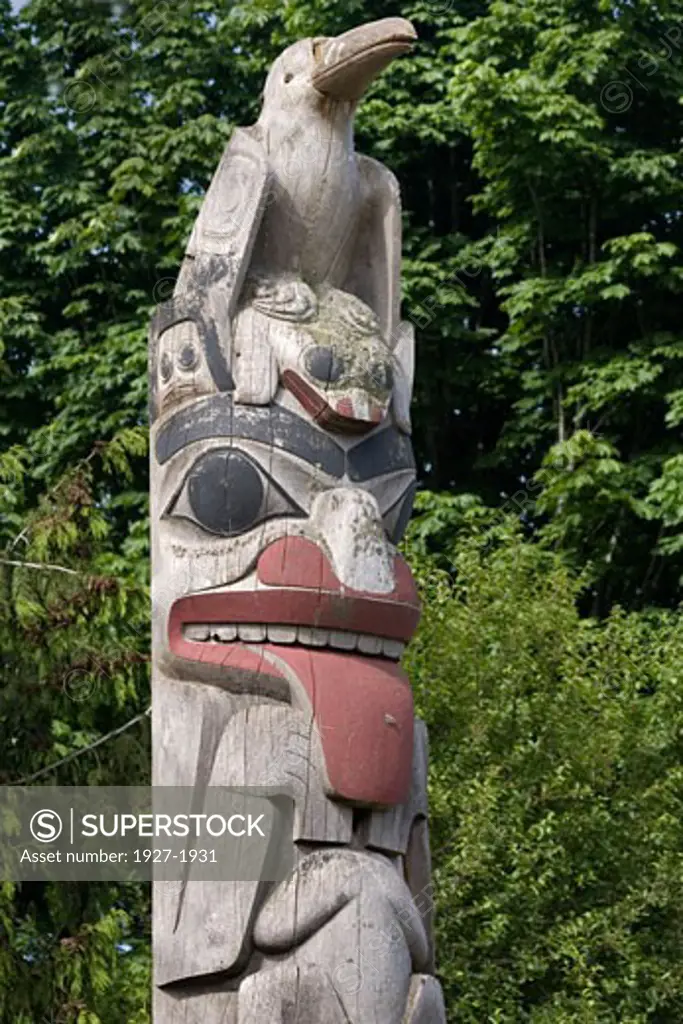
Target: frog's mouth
352,411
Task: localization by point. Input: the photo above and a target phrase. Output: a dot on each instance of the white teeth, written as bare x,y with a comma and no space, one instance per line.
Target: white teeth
345,641
392,649
252,634
308,636
369,644
282,634
196,632
314,637
226,633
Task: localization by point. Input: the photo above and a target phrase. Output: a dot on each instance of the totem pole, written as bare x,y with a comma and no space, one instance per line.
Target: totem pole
282,479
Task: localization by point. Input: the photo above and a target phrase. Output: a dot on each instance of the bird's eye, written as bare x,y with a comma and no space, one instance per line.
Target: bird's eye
288,77
227,493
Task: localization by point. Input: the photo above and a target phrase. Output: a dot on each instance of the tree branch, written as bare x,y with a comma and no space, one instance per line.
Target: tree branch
84,750
40,565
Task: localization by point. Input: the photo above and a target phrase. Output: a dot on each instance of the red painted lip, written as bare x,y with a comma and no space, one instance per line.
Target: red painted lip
341,416
300,590
291,607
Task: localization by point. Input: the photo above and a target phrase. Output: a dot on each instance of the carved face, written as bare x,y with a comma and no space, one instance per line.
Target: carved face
274,532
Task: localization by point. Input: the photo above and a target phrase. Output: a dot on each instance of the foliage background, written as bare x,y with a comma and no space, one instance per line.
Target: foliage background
538,148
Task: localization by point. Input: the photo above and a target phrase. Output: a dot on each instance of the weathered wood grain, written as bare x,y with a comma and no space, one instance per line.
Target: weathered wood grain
282,478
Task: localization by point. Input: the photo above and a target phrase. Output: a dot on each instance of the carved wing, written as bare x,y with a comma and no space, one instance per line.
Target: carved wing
230,216
375,275
213,271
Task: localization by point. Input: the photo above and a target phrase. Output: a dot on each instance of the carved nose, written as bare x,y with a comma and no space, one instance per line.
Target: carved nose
349,523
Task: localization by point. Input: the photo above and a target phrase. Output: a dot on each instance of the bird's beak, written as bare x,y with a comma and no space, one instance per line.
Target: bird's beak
345,65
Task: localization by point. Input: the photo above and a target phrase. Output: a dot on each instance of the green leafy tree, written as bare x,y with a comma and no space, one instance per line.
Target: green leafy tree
555,745
574,116
538,149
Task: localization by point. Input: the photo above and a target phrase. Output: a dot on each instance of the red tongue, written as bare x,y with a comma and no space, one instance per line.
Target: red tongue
363,708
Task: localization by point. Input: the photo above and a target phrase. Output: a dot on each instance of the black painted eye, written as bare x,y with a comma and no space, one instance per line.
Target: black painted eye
227,493
188,358
323,364
288,77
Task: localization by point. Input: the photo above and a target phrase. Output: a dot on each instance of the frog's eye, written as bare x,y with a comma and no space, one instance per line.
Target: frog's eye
227,493
322,363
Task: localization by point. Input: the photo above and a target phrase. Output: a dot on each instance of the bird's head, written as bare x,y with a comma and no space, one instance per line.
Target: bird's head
339,68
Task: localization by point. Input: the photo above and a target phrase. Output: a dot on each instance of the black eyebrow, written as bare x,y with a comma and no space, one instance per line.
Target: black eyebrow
217,416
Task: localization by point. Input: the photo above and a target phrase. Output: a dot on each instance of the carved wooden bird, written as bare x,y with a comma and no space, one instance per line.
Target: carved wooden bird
291,195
